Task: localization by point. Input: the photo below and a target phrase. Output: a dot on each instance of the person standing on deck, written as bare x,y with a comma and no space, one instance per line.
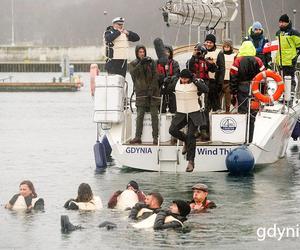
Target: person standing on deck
216,79
188,112
256,36
245,67
229,56
289,48
146,87
117,44
165,73
200,67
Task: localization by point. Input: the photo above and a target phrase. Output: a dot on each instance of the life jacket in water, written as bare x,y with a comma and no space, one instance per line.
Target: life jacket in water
149,222
127,199
19,202
94,204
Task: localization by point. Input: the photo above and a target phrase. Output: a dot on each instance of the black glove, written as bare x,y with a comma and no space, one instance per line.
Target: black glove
233,100
140,205
146,60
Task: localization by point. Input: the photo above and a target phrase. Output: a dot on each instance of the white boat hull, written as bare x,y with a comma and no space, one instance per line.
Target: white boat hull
271,137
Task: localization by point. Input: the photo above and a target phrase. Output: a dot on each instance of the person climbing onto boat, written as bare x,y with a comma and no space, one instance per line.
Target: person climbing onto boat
132,185
146,87
26,199
289,49
85,200
200,202
165,73
257,37
200,67
216,79
117,46
229,56
143,210
174,217
245,67
188,112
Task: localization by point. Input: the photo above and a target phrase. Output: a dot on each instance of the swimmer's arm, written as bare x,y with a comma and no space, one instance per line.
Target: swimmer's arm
160,222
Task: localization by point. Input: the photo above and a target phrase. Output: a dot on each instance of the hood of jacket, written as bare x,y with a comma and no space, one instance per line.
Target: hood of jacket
169,47
247,49
137,48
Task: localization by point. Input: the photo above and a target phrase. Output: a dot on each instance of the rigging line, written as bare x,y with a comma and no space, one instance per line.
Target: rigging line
252,14
267,26
177,34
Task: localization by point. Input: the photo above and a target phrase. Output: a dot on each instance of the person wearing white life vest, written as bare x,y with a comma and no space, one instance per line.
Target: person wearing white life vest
131,186
229,56
174,217
85,200
117,46
143,210
26,199
186,90
214,56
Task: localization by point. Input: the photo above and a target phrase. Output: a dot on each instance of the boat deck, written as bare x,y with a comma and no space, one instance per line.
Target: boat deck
198,143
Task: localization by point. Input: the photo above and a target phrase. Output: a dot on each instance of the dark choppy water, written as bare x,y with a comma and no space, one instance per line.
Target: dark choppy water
48,138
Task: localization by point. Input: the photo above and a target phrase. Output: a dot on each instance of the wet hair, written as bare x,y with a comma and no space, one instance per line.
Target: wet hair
30,186
158,197
85,193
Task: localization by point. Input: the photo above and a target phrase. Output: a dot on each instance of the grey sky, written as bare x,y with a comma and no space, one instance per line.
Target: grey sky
81,22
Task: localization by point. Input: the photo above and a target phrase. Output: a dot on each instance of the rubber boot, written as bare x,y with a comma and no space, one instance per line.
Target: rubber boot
66,225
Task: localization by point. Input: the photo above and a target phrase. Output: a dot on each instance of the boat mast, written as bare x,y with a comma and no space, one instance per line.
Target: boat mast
12,24
243,22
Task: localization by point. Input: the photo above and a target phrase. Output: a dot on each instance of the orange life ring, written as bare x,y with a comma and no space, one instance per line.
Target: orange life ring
256,82
254,104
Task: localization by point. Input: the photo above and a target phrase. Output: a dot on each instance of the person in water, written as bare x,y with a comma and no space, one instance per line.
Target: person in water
26,199
200,202
143,210
85,200
174,217
132,185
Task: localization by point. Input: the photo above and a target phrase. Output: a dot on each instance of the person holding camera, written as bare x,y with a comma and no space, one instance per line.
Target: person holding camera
117,40
201,67
145,83
165,74
186,89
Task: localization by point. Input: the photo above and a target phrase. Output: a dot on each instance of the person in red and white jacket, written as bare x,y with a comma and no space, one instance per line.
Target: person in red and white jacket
245,67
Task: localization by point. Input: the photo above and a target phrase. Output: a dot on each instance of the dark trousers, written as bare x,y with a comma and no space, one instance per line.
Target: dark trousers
116,66
226,94
290,71
169,100
243,109
213,101
141,110
188,138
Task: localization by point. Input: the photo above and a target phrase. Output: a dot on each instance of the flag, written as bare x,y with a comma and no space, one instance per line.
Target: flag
271,46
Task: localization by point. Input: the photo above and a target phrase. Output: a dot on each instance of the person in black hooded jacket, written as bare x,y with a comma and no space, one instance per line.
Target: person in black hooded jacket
165,74
174,217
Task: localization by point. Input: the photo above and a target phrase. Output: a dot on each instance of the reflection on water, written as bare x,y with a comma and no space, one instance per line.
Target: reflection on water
48,138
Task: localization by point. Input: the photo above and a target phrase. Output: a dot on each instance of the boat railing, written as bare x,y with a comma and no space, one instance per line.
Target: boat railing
8,78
